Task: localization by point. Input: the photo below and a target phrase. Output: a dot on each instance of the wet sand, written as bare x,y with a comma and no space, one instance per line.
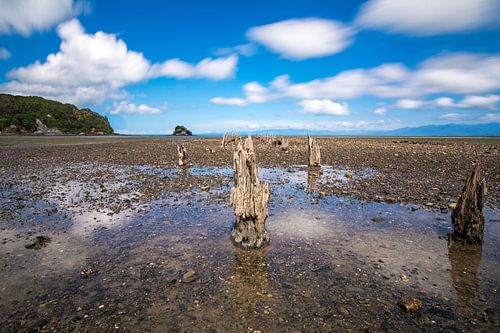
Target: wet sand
125,225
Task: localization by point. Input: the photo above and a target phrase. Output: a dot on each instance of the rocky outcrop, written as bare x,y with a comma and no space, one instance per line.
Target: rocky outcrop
43,129
181,131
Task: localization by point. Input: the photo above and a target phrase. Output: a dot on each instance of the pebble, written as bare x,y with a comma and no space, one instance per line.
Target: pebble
190,276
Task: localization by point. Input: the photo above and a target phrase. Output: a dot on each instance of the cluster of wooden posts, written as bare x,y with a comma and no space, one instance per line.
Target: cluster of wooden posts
250,196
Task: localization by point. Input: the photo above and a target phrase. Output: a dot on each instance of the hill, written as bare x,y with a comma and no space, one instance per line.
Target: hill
32,114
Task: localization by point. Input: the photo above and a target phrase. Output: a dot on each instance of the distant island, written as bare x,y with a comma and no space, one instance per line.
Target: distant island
37,115
181,131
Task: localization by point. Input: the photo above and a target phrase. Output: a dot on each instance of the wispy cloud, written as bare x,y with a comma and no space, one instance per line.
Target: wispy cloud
323,107
299,39
4,53
26,16
424,18
246,50
457,73
125,107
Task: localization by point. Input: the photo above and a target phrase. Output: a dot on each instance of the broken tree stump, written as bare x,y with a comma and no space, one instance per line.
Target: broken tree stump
224,141
467,217
314,152
234,137
284,144
182,154
250,199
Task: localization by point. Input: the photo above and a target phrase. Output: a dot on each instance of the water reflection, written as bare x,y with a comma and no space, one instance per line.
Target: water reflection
313,175
250,283
465,261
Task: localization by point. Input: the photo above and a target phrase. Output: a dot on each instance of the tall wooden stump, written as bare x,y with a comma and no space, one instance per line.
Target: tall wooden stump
467,217
224,141
314,152
234,137
250,198
182,154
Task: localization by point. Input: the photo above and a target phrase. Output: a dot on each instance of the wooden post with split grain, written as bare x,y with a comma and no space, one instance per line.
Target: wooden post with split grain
467,217
250,199
284,144
314,152
182,154
225,140
234,137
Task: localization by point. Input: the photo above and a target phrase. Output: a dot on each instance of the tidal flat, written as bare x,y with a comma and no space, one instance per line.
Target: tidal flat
111,235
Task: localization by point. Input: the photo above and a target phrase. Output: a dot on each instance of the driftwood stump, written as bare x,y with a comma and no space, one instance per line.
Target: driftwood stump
284,144
250,198
234,137
224,141
467,217
182,154
314,152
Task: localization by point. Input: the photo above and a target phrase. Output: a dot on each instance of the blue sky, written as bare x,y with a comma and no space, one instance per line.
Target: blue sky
241,65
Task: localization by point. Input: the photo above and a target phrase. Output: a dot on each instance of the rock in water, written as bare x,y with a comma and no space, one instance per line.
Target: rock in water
467,217
314,152
182,153
250,199
38,243
181,130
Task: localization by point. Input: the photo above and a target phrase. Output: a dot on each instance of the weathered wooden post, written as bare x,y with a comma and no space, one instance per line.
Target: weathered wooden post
250,199
225,140
467,217
314,152
182,154
284,144
234,137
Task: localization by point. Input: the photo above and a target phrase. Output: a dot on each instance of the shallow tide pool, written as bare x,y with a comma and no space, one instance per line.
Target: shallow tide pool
333,264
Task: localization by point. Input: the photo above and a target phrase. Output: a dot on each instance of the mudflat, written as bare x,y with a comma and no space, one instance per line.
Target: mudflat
108,233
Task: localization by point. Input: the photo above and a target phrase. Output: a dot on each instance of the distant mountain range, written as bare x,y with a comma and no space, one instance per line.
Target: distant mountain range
489,129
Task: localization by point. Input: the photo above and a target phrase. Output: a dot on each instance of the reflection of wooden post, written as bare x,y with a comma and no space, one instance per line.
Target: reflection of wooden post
250,198
314,153
313,175
465,261
182,153
225,139
250,283
467,217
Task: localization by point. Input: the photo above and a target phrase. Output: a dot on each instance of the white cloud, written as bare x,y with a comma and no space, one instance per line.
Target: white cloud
445,102
455,116
485,102
246,50
251,125
229,101
26,16
380,111
493,117
90,68
409,104
323,107
462,73
469,101
423,18
303,38
124,107
4,53
214,69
